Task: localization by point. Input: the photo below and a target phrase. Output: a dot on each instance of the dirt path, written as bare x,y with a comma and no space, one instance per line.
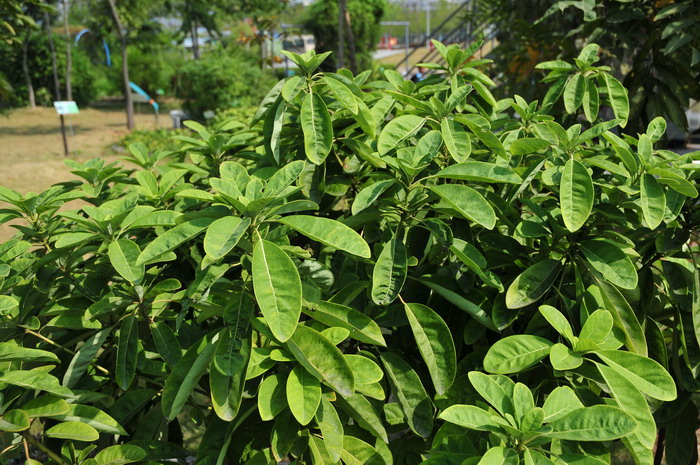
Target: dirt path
31,148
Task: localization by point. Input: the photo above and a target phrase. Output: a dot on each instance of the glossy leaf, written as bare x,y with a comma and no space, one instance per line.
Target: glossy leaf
468,203
576,195
329,232
303,394
410,394
317,127
389,272
532,283
516,353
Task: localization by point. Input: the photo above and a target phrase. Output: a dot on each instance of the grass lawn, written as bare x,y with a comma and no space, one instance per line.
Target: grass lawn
31,148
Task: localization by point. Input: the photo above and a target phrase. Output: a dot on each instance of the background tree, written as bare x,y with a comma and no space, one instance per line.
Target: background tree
322,21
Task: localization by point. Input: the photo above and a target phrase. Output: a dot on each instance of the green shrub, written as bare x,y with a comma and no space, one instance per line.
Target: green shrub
373,273
222,79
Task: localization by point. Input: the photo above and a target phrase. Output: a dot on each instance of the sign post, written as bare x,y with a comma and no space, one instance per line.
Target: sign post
67,107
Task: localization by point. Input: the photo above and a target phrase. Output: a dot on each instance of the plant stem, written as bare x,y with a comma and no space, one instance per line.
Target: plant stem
39,445
55,344
660,442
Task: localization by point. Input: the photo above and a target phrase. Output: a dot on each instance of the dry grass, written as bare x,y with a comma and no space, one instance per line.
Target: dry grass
31,147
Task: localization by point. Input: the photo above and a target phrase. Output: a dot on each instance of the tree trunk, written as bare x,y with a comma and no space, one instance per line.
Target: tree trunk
69,57
351,39
25,70
125,67
341,35
56,83
195,40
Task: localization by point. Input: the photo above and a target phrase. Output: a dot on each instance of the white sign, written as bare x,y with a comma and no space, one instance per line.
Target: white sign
67,107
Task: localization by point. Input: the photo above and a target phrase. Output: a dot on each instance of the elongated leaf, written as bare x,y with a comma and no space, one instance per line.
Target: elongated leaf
127,351
516,353
456,140
123,254
282,436
562,358
469,203
84,356
361,327
10,352
471,417
361,410
92,416
358,452
435,344
646,374
366,197
494,392
591,101
331,428
481,172
172,238
277,287
73,430
573,93
227,374
272,396
499,455
303,394
322,359
528,145
398,130
653,201
624,318
575,195
120,454
389,272
532,283
410,393
36,381
317,127
330,232
45,406
611,262
223,235
560,401
166,342
617,98
186,374
342,93
597,423
14,421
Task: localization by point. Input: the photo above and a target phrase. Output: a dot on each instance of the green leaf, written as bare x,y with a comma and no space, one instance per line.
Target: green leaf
558,321
591,101
322,359
597,326
500,455
92,416
435,344
456,140
342,93
368,195
272,396
527,146
127,352
610,261
497,394
303,394
364,369
532,283
470,417
397,131
358,452
172,238
11,352
646,374
277,287
631,400
361,410
470,256
36,381
480,171
656,129
166,342
596,423
617,98
227,374
14,421
223,235
361,327
7,304
84,356
123,254
574,92
516,353
468,203
624,318
73,430
560,401
120,454
329,232
283,434
576,195
186,374
653,201
317,128
331,428
410,394
45,406
562,358
389,272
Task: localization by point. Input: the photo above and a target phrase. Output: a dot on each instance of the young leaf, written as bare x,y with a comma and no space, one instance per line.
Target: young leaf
277,287
576,195
435,344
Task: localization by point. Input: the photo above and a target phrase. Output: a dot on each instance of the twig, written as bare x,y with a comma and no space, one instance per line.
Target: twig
39,445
